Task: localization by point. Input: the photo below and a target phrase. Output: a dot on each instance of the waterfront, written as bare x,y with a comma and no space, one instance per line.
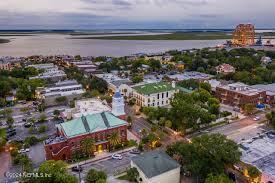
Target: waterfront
57,44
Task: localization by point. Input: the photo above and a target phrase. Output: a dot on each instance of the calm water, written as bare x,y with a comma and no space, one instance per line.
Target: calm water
56,44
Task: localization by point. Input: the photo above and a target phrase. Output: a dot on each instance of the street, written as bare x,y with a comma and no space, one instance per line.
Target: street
239,130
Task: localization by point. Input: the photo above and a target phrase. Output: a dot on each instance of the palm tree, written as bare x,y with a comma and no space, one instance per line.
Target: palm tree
114,139
88,146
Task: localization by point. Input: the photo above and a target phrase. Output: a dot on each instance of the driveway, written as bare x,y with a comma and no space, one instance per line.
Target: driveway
37,154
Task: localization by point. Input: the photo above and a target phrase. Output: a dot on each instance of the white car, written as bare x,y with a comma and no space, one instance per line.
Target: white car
117,156
24,150
256,118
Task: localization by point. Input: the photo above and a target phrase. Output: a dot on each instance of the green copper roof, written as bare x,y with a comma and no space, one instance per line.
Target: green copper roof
154,88
185,90
154,163
91,123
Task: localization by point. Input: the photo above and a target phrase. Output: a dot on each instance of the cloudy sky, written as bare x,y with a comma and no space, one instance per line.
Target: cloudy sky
122,14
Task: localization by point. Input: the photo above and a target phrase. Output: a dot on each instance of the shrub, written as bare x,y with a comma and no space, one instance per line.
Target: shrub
42,128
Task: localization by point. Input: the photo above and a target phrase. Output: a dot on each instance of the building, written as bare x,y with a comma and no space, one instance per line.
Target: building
266,60
260,152
156,167
49,72
191,75
244,35
85,107
5,65
68,88
239,94
154,94
70,134
225,69
118,105
124,86
270,92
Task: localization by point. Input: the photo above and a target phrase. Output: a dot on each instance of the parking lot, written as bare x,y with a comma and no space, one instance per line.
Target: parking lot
110,166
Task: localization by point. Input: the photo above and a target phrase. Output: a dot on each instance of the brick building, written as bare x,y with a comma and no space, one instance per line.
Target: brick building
239,94
70,134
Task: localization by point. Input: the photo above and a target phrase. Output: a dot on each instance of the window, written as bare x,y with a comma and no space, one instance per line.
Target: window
162,102
153,104
162,95
158,103
158,96
166,94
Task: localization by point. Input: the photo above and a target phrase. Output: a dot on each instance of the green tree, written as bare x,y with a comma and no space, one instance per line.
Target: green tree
10,121
207,154
133,174
93,176
114,139
221,178
42,128
56,171
42,118
248,108
61,99
253,173
168,124
137,78
88,146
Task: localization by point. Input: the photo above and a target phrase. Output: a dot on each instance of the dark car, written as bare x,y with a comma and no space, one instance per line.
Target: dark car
27,125
10,130
10,134
77,169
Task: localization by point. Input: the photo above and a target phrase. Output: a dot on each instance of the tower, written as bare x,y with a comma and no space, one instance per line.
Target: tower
118,105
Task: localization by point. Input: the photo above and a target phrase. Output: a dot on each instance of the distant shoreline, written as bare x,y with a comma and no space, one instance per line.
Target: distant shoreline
172,36
2,41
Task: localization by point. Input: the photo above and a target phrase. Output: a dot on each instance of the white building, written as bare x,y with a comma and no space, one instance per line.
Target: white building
85,107
69,88
50,72
156,167
154,94
118,105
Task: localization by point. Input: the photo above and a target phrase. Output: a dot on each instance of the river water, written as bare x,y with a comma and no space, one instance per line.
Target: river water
57,44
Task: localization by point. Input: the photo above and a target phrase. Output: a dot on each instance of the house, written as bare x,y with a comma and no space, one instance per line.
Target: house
156,167
70,134
225,69
266,60
5,65
154,94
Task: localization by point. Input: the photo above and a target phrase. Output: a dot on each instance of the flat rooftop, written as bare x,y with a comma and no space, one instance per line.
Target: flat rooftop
90,106
260,152
191,75
241,88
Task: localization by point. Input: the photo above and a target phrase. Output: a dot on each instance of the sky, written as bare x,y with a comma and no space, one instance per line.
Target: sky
135,14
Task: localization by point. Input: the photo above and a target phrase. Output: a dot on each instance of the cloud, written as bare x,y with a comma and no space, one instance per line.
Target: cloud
136,13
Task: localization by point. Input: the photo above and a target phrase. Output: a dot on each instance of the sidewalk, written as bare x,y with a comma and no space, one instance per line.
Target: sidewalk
101,156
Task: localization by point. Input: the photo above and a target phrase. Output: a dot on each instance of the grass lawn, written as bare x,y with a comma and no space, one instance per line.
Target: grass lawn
123,177
2,133
172,36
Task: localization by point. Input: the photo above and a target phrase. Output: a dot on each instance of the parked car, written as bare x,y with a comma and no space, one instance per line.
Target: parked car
256,118
135,151
117,156
77,169
27,125
24,150
10,134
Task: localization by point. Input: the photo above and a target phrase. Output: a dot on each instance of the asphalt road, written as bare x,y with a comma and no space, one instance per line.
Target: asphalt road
239,130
